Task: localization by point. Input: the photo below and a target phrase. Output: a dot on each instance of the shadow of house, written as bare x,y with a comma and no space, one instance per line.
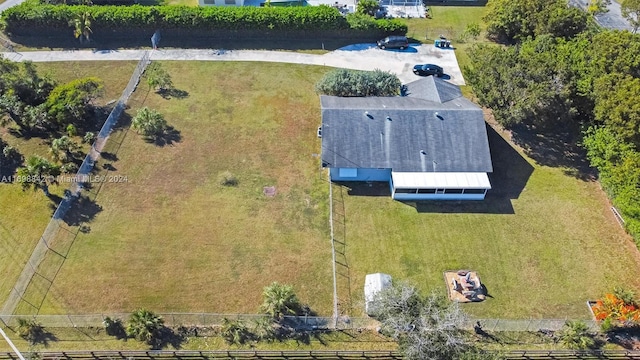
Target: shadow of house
556,149
510,174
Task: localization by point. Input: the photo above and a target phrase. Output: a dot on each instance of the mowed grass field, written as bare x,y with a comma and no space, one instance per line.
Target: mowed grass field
25,214
543,242
171,238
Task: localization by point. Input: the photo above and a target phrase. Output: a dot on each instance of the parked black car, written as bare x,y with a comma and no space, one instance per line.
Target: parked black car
394,42
428,69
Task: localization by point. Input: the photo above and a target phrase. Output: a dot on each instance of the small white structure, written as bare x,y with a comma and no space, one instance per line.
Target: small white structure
373,284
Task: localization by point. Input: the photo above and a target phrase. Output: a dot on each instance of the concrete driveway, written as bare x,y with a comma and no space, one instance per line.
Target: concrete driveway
358,56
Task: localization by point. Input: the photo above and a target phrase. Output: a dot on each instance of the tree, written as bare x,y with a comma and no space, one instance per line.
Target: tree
158,78
576,335
617,107
472,30
81,24
149,123
63,149
631,11
597,7
280,300
70,103
512,21
424,327
367,7
144,325
38,173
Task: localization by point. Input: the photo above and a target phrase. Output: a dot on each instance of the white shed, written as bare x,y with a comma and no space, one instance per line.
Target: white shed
373,284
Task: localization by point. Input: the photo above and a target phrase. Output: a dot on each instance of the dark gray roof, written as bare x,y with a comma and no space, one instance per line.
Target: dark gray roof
405,134
433,89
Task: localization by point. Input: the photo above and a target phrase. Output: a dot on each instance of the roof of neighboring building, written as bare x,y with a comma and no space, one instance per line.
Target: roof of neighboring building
432,129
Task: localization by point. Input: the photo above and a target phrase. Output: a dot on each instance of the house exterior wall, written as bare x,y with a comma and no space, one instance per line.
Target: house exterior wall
444,196
361,174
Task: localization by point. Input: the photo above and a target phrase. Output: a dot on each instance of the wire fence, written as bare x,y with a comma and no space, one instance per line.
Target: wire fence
298,322
54,244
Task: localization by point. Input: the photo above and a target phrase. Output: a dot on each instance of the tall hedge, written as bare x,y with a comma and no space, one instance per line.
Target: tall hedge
31,15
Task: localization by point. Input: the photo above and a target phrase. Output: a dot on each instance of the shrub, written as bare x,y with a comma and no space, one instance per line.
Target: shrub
226,178
89,137
144,325
114,327
576,335
615,309
235,331
30,16
343,82
149,123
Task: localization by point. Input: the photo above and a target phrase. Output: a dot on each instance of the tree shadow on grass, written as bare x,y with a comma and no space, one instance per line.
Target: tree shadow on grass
168,137
555,149
82,210
165,337
41,336
173,93
627,337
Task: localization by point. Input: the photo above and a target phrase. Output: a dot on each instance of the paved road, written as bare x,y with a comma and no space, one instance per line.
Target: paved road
610,20
359,57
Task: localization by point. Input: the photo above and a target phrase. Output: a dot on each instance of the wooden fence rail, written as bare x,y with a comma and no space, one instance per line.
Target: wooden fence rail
312,354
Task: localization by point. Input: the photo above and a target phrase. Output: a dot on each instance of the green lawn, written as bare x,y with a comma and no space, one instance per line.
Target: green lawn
171,238
543,242
24,215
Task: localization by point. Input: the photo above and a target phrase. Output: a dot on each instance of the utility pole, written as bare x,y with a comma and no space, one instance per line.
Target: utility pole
15,349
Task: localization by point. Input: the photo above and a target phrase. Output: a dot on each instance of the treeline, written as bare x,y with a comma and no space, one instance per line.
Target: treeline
563,72
32,17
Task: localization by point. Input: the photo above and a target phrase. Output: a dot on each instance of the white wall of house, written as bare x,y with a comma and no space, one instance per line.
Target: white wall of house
406,186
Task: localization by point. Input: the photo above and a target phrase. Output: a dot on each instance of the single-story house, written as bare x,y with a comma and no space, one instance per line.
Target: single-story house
429,144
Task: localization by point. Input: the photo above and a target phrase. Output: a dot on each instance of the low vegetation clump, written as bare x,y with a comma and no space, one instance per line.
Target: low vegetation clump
617,308
576,335
226,178
144,325
344,82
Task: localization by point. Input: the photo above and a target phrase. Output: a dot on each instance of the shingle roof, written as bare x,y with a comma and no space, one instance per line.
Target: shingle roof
409,133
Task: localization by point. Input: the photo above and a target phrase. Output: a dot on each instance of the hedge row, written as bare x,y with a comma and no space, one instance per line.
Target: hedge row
31,15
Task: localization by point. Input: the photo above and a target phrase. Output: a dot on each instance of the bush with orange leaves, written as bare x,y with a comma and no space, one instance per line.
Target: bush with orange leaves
611,307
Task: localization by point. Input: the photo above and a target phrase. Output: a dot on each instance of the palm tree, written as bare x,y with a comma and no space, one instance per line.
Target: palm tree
576,335
144,325
280,300
82,26
62,149
149,123
38,174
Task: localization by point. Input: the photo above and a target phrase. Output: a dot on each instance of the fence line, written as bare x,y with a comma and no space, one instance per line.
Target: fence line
300,322
308,354
51,233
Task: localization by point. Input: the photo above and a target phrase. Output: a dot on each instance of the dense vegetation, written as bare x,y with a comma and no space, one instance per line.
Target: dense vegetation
558,79
31,16
344,82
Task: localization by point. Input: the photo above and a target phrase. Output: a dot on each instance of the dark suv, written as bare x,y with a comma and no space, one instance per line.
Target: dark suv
394,42
428,69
